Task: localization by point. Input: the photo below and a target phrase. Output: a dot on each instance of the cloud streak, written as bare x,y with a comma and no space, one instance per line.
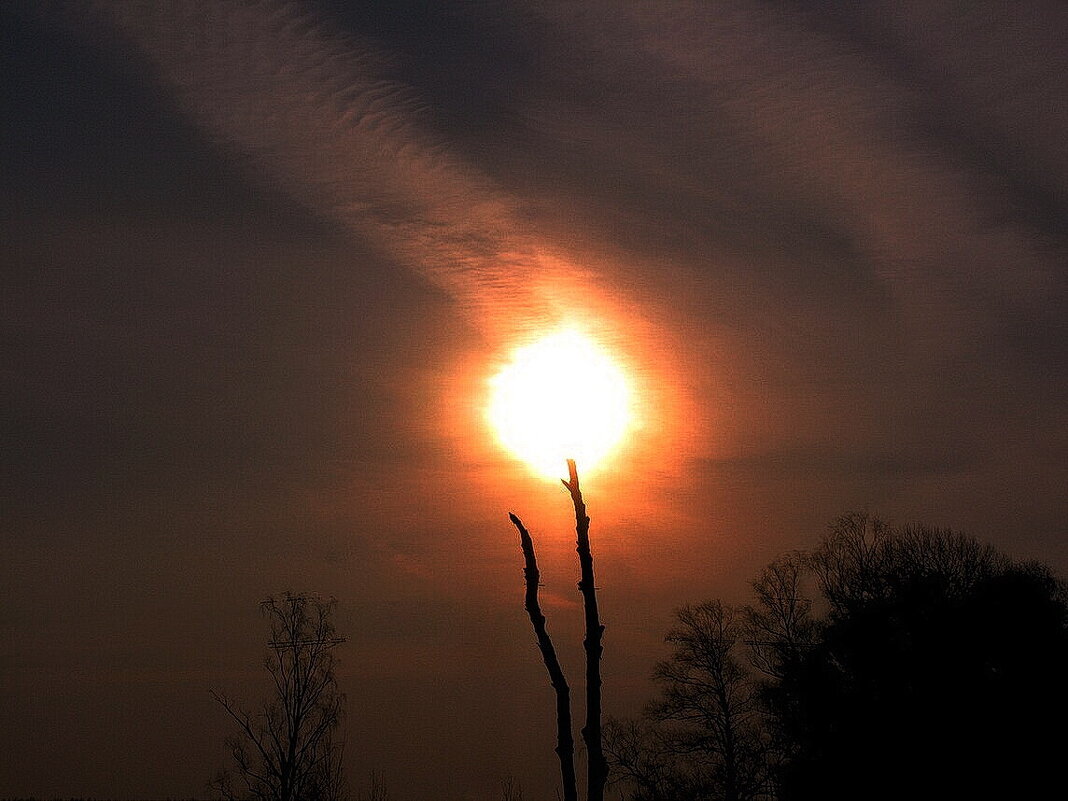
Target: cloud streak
823,132
315,110
837,229
820,200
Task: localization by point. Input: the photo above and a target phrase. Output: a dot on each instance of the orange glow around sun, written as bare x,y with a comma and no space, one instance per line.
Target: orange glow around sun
562,397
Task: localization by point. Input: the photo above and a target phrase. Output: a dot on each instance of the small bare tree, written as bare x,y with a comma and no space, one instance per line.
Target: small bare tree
289,750
703,738
712,703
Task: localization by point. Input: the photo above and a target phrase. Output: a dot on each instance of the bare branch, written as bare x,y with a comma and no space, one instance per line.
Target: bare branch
597,766
565,742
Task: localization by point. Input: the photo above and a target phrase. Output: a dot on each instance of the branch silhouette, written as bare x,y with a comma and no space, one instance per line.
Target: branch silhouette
288,750
565,742
597,765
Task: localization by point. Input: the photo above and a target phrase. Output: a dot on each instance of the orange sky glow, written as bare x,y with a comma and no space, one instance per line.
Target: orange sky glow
293,294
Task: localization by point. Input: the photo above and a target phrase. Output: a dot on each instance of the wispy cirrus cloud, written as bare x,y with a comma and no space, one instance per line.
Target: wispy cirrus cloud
847,152
829,204
313,107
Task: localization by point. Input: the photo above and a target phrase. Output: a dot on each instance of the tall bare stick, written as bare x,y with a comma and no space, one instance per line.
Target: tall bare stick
597,765
565,742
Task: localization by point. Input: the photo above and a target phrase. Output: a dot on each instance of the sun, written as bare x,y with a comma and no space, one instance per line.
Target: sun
562,397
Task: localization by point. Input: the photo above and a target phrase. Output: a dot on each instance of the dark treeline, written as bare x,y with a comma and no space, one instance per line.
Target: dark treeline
886,663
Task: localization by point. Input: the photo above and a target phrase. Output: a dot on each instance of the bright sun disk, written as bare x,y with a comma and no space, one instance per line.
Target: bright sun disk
562,397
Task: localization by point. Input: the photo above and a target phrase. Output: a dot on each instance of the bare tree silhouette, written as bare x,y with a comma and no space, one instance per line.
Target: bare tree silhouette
289,750
704,737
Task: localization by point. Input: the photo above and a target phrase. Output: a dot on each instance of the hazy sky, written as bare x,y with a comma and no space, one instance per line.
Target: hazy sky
259,261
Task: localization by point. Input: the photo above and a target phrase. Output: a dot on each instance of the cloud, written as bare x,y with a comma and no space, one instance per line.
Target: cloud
828,205
825,140
314,108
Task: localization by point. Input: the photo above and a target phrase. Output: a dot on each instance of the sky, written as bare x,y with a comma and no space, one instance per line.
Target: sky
261,260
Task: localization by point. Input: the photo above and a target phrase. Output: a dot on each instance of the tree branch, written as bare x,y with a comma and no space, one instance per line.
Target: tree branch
597,765
565,742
